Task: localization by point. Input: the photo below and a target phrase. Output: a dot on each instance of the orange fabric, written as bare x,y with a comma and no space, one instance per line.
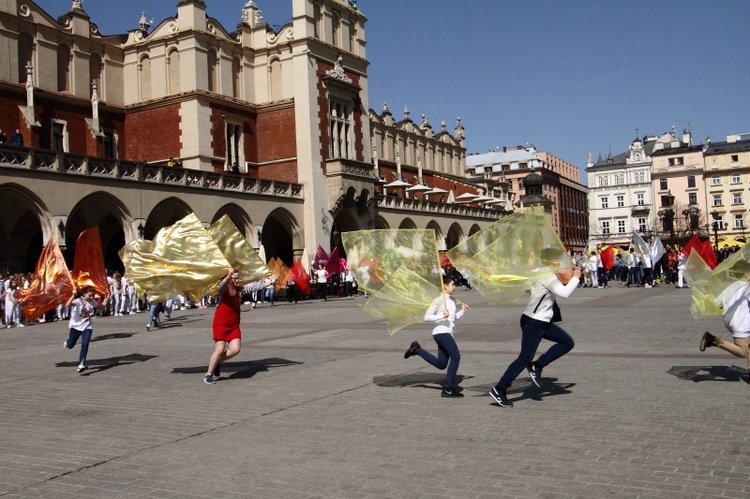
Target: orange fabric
52,283
88,266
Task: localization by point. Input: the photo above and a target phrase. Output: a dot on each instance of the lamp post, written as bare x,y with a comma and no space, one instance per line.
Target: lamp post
667,215
715,216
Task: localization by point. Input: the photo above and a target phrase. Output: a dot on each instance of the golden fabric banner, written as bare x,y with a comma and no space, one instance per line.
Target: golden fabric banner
504,259
706,284
238,251
183,259
88,265
281,271
399,268
374,255
51,285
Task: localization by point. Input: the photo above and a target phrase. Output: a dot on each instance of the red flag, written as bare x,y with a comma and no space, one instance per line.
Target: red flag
333,265
703,248
608,257
52,284
301,277
88,266
321,257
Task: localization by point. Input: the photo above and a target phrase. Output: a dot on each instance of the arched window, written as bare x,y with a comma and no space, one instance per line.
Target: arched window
173,63
213,73
340,132
63,68
25,55
236,78
274,80
317,21
95,74
145,78
335,25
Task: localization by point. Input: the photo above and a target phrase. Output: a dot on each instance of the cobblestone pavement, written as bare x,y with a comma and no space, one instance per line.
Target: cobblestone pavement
321,403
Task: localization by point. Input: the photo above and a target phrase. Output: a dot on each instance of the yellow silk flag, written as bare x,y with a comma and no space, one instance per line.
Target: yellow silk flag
51,285
504,259
399,268
238,251
706,284
88,265
183,259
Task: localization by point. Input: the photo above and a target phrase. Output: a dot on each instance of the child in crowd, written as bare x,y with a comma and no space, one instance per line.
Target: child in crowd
83,307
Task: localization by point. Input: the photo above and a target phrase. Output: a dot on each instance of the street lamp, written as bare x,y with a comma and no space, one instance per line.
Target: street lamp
667,215
715,215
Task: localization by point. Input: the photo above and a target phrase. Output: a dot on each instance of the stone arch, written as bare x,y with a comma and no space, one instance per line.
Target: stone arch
380,223
344,222
474,229
407,223
239,218
25,225
100,209
167,212
63,68
144,80
274,79
439,238
26,46
281,237
173,71
455,235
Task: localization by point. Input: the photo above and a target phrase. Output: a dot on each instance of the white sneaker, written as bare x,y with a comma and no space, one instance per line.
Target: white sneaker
20,325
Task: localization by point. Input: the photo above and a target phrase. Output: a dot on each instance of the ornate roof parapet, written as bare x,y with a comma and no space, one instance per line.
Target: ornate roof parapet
251,15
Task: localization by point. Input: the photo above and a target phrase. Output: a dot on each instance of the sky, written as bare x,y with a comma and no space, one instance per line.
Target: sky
568,77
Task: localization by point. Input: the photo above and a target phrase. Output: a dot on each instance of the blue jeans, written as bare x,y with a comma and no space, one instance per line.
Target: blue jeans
448,356
532,333
269,294
153,315
85,340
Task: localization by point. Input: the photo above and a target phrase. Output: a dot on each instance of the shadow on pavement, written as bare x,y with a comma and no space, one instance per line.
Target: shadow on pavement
98,365
549,389
240,370
433,381
113,336
708,373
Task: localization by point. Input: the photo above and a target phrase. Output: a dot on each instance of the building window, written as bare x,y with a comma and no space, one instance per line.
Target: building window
59,136
603,180
736,178
735,158
605,202
738,221
736,198
691,180
639,199
605,227
676,161
621,226
663,184
717,200
235,153
639,177
715,180
620,179
620,201
110,144
340,132
335,29
641,225
692,198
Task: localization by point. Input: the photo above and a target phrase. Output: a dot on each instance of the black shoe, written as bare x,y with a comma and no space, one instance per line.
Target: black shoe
500,397
708,340
535,373
412,349
217,371
451,392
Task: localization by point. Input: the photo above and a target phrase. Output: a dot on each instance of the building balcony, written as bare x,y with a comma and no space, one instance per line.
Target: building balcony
641,209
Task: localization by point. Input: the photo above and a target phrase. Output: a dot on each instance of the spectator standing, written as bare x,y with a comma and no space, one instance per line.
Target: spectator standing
16,139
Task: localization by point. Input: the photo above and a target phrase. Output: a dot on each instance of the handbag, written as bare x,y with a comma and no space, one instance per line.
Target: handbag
556,314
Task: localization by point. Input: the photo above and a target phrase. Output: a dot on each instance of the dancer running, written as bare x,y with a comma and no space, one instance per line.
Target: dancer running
83,307
537,322
443,311
226,326
735,301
